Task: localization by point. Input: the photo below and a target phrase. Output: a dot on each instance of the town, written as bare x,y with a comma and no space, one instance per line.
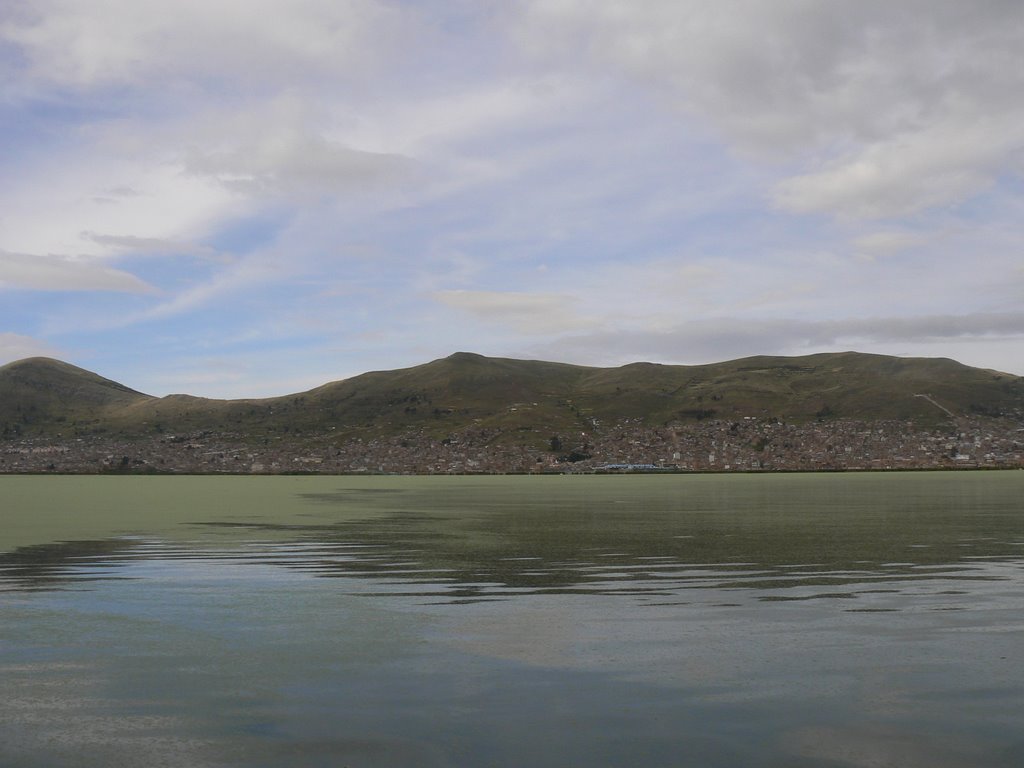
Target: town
749,444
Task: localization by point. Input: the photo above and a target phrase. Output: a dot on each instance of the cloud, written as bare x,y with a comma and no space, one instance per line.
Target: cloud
530,313
58,273
226,282
888,241
150,245
436,122
907,173
296,165
729,338
639,179
130,42
921,328
48,209
881,108
14,346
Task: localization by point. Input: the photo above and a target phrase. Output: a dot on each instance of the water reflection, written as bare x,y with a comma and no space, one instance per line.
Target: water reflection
703,621
472,555
51,566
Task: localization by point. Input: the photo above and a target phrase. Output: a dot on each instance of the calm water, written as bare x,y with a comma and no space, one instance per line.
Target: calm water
783,620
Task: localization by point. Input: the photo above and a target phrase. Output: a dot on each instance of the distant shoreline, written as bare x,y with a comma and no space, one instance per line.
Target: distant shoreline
590,473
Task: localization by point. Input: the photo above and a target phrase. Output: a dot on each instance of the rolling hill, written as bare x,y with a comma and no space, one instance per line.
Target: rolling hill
39,394
42,396
520,405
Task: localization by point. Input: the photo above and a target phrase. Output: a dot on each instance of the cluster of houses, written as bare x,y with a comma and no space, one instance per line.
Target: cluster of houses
746,445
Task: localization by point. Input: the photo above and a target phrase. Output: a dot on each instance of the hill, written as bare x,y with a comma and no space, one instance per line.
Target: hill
38,394
517,404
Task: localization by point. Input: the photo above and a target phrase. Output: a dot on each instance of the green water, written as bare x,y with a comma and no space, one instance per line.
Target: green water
771,620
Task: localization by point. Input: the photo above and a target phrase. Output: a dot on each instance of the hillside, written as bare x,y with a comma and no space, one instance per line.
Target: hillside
519,405
39,394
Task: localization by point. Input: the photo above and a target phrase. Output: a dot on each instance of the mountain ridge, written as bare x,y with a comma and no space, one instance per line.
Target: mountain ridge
517,405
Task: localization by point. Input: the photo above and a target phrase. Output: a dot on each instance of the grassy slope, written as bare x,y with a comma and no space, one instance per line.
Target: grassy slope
525,398
43,394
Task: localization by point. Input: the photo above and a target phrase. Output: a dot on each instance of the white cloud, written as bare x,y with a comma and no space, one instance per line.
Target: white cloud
529,313
228,108
222,286
621,169
907,173
436,122
262,42
57,273
155,246
48,211
14,346
886,108
297,166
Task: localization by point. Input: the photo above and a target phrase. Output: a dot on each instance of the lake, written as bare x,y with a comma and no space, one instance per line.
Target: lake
843,620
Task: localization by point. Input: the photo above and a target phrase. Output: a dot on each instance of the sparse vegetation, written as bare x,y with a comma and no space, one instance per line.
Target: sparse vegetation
505,407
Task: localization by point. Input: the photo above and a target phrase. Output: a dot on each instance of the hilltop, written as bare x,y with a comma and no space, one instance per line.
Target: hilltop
38,394
513,406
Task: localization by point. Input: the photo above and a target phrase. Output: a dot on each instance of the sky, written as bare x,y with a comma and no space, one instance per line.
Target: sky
248,198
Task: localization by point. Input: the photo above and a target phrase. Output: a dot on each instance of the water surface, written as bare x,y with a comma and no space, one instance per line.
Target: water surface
780,620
